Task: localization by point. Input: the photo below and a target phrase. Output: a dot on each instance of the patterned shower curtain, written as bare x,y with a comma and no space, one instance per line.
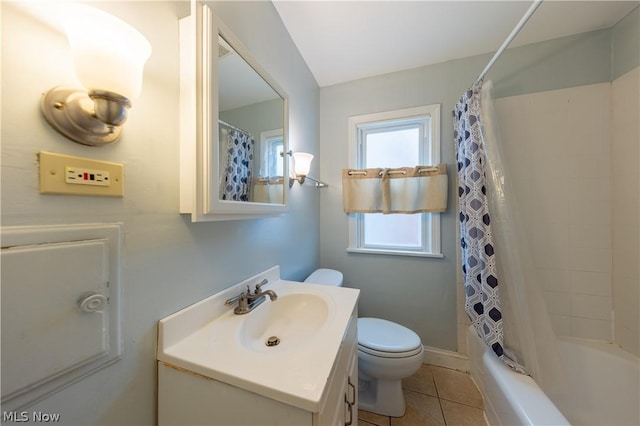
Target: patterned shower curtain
482,302
237,174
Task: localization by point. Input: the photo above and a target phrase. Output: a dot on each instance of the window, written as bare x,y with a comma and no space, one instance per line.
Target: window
407,137
271,147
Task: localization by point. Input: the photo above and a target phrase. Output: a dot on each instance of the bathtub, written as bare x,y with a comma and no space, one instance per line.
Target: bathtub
602,378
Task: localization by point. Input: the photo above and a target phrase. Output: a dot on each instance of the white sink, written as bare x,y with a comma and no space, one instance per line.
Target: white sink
308,320
285,324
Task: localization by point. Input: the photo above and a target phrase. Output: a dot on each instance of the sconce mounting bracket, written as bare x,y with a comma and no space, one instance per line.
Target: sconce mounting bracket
72,113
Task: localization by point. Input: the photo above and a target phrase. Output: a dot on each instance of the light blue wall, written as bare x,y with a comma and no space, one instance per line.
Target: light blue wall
421,292
555,64
169,262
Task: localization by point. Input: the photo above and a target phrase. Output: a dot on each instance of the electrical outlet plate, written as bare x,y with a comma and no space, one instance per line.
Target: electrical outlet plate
65,174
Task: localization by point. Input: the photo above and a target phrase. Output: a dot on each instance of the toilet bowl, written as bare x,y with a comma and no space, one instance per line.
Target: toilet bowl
387,353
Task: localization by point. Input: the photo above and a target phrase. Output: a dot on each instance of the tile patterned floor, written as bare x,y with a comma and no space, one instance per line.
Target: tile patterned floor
435,396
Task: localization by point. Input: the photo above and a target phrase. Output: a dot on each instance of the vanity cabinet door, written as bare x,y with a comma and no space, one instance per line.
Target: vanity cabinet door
351,385
334,411
341,407
351,392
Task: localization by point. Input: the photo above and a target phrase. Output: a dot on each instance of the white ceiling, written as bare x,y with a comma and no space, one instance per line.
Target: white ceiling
348,40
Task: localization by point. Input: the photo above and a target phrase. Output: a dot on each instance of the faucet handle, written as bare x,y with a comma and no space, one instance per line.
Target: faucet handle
260,284
235,299
232,300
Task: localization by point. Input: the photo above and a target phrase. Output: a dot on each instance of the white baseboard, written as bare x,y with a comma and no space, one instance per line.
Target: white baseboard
447,359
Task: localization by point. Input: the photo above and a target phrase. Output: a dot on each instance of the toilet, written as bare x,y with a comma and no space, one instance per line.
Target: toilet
387,353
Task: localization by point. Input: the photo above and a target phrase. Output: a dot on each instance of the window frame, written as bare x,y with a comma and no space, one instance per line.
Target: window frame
429,152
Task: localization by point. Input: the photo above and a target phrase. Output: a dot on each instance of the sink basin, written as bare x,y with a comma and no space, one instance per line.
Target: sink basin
309,320
284,323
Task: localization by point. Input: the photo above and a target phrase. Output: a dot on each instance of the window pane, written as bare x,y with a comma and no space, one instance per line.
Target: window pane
279,168
401,230
273,156
396,148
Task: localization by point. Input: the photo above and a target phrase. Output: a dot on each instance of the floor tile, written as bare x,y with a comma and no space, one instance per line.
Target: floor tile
456,386
366,418
434,396
421,381
462,415
423,410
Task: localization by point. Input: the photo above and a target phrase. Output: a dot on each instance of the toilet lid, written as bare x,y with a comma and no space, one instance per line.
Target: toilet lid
325,276
386,336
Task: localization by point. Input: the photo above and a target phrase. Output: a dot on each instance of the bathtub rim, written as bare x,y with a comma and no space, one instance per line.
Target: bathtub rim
509,398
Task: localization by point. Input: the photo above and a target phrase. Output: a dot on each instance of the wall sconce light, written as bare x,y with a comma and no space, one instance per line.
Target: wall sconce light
108,57
301,167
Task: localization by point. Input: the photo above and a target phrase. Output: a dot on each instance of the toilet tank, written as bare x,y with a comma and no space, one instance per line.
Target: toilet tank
325,277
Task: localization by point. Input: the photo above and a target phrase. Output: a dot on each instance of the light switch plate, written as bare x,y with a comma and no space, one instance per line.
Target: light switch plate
65,174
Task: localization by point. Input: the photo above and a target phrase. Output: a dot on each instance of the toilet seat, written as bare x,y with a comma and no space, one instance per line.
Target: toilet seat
387,339
380,354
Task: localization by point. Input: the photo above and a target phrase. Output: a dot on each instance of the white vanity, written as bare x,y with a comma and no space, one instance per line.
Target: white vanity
216,367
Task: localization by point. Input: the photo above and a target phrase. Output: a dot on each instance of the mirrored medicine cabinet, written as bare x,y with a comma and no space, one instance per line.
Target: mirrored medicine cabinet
233,126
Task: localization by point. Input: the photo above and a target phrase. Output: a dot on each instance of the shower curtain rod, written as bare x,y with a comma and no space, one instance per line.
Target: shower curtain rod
509,39
232,127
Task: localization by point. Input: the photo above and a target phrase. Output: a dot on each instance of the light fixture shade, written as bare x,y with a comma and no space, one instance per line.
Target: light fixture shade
302,163
108,53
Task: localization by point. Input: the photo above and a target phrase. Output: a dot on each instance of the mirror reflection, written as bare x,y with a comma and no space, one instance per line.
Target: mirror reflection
251,139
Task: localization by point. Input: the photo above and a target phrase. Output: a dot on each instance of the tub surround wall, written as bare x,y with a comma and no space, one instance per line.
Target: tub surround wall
625,163
169,263
560,142
625,160
577,152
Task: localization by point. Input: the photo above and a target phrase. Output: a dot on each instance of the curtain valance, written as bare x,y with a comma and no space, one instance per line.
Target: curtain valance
401,190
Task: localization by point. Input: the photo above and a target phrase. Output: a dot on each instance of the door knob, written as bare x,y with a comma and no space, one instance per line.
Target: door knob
91,301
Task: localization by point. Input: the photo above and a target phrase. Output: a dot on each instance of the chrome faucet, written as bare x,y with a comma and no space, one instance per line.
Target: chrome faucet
248,301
